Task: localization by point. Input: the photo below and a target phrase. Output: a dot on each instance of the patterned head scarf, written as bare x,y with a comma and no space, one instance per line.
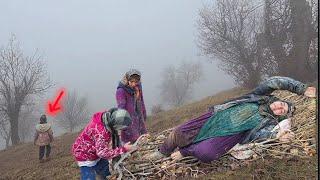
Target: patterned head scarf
291,108
128,74
116,119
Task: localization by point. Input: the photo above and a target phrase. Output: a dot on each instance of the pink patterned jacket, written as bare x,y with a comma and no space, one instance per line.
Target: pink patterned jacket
95,142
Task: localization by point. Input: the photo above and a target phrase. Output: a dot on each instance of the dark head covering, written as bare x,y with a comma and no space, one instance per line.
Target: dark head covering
114,120
128,74
125,81
267,109
43,119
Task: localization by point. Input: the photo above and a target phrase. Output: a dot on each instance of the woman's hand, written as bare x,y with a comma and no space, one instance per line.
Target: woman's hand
285,136
130,147
310,92
137,92
176,155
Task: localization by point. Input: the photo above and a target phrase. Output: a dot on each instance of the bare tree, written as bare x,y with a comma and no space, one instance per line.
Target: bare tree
156,109
75,112
313,49
253,39
177,83
5,128
291,35
21,77
27,121
230,31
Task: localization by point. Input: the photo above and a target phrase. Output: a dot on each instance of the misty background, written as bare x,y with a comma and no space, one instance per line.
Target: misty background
89,45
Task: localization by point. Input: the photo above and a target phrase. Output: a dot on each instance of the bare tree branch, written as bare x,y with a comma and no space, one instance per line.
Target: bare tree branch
291,35
177,83
5,128
21,77
75,112
228,30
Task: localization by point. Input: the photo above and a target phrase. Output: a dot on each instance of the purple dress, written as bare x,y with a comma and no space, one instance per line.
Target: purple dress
207,150
212,149
136,109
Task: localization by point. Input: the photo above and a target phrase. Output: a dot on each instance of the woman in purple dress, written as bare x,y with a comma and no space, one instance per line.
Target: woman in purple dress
251,117
130,97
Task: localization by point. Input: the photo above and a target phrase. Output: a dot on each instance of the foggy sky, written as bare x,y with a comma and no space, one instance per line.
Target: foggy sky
89,45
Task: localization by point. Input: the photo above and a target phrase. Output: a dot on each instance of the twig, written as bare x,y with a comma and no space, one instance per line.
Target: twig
117,164
129,172
163,132
197,171
167,173
167,167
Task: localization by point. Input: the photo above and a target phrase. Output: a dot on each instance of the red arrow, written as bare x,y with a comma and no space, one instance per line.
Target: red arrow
56,107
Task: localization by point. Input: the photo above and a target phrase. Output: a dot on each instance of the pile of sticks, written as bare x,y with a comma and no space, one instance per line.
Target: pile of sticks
134,165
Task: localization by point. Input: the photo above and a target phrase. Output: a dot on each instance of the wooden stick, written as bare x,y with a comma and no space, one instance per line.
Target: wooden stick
117,164
129,172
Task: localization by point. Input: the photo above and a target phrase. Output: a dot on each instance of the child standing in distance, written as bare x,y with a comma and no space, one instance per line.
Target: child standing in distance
43,137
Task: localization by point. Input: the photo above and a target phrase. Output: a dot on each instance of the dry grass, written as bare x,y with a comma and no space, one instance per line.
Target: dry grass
21,161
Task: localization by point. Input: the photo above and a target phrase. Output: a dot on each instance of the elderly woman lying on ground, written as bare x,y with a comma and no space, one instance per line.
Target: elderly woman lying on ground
248,118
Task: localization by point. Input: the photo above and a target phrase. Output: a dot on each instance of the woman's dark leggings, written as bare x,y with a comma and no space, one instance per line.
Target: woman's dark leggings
42,151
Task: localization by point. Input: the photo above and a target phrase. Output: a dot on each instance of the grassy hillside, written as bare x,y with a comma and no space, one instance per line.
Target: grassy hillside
20,162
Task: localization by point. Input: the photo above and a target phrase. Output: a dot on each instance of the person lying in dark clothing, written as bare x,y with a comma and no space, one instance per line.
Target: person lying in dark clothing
241,120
